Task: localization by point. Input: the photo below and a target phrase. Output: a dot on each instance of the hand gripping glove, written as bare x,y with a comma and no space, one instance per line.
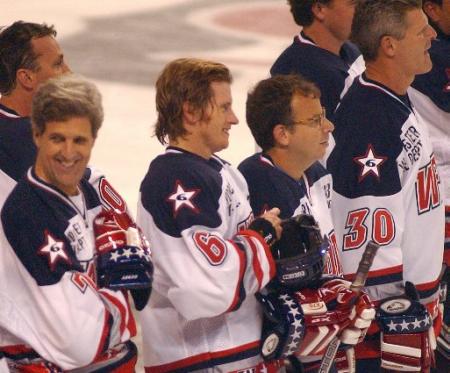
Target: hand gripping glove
303,323
123,256
334,309
443,340
407,336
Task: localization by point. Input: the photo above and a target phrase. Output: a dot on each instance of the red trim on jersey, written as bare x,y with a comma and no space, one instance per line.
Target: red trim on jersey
377,273
121,308
200,358
128,367
256,263
16,349
428,285
242,265
266,247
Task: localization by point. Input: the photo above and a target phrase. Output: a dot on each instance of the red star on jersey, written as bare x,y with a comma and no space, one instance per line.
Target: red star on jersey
370,163
182,197
54,250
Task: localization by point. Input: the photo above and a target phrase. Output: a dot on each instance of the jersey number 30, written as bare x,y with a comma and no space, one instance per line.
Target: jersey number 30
383,228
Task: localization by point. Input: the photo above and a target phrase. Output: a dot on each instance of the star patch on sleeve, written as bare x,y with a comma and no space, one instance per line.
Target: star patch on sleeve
182,197
54,250
370,163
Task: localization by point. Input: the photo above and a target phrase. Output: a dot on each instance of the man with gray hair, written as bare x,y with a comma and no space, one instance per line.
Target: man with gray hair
386,185
66,254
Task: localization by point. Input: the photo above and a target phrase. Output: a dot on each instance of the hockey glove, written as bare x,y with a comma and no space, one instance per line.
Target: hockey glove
304,322
283,325
407,336
443,340
123,256
334,309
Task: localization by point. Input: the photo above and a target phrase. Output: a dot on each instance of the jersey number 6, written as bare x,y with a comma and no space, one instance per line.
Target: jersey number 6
211,246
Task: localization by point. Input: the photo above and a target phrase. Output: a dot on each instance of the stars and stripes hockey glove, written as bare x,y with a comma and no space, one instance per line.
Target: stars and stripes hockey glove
303,323
123,256
407,335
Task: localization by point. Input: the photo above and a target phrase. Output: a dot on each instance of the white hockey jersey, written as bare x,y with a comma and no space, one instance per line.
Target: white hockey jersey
387,189
53,316
430,95
202,313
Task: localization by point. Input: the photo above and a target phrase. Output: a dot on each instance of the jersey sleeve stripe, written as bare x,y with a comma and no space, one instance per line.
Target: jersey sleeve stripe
266,248
255,262
120,307
239,294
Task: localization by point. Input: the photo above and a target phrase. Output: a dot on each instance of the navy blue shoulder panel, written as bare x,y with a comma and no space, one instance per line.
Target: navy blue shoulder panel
17,149
90,194
320,66
181,190
436,83
270,187
368,124
34,222
315,172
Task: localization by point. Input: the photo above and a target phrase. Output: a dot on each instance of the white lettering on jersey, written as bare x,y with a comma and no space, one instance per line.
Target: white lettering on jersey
412,143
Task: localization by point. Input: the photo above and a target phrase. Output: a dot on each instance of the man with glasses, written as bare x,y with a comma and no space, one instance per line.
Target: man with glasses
287,120
387,188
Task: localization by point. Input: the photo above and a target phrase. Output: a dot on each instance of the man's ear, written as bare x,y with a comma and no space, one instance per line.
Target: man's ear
388,45
36,136
317,10
432,10
281,135
25,77
191,115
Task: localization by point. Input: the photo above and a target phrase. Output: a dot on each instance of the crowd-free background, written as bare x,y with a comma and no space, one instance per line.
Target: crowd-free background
123,45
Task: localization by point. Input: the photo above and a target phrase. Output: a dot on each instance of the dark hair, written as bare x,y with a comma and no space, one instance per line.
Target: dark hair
269,104
185,80
16,51
302,10
374,19
65,97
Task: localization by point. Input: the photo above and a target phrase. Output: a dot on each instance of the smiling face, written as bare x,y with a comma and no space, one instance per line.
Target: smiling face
213,131
64,149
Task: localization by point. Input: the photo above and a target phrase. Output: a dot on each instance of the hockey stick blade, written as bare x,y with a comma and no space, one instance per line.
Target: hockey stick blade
357,285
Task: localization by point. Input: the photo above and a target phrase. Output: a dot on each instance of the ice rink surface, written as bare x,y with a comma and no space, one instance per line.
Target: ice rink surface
122,45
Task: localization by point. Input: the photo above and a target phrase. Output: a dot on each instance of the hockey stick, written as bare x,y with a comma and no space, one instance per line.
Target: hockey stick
357,285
